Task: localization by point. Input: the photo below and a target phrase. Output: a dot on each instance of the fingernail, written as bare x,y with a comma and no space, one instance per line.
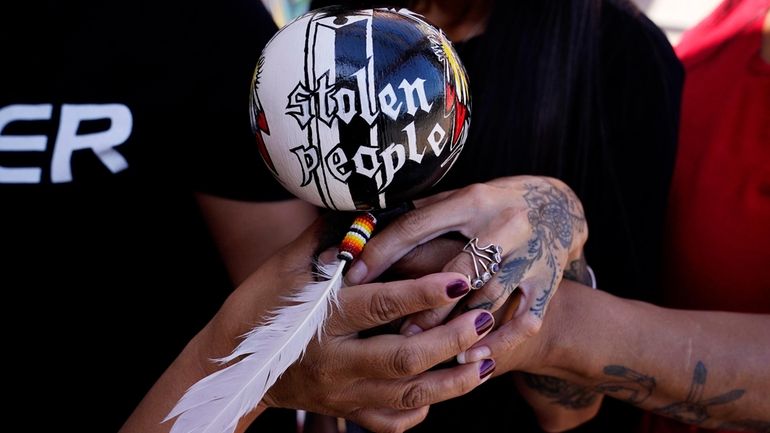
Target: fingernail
486,368
356,273
473,355
411,330
483,322
457,288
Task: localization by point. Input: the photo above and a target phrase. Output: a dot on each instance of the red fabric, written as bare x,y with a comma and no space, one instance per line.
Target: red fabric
718,252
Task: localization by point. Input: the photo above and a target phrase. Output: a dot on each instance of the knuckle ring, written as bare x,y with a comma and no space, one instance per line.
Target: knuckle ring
486,261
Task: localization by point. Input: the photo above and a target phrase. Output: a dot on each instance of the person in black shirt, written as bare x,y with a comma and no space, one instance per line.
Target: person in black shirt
334,378
113,117
125,111
586,92
124,133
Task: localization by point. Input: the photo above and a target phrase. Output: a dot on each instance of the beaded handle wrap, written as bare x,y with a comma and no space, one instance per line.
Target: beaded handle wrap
359,234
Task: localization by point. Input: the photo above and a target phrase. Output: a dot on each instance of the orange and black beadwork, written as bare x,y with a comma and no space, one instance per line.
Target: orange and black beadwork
360,232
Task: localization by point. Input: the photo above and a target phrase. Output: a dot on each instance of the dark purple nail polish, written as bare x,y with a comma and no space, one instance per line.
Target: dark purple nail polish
484,321
457,288
486,368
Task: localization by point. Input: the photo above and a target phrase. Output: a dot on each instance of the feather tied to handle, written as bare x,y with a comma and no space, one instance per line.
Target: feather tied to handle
215,403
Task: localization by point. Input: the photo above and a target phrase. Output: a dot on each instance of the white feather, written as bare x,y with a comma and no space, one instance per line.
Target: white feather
215,403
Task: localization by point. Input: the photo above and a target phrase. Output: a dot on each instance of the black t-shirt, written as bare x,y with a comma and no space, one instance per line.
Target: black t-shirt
112,114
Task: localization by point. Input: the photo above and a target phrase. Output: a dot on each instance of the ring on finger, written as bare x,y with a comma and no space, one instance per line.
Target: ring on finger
486,261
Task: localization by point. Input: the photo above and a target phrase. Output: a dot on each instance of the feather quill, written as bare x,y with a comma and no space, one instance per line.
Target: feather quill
216,403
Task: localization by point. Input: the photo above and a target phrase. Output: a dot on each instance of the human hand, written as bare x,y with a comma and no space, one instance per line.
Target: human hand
382,382
538,222
532,360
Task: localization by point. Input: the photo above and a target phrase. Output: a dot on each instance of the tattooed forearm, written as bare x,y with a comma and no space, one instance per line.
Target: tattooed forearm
560,391
629,385
694,408
635,388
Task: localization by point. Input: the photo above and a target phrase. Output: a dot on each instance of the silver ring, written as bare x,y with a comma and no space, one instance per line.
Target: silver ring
486,261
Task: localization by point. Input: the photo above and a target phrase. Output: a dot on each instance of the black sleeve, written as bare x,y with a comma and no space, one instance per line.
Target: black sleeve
225,159
642,91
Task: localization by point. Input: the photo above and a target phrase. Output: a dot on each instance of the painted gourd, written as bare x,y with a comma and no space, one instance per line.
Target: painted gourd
359,109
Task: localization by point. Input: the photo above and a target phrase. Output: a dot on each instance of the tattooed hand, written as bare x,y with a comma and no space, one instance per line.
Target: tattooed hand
538,222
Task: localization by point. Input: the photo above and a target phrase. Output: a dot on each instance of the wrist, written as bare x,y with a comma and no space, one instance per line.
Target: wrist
585,338
564,332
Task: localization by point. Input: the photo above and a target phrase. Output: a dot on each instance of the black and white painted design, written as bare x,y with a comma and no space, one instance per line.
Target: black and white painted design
359,109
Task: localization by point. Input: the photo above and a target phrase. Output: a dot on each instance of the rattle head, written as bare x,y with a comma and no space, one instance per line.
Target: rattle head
359,109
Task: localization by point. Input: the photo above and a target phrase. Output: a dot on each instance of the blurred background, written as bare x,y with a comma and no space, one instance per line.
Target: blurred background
676,16
673,16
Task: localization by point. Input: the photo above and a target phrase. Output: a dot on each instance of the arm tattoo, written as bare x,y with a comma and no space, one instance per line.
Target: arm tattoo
634,387
560,391
694,409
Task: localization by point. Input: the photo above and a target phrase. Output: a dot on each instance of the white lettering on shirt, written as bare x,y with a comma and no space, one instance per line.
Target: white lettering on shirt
67,141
